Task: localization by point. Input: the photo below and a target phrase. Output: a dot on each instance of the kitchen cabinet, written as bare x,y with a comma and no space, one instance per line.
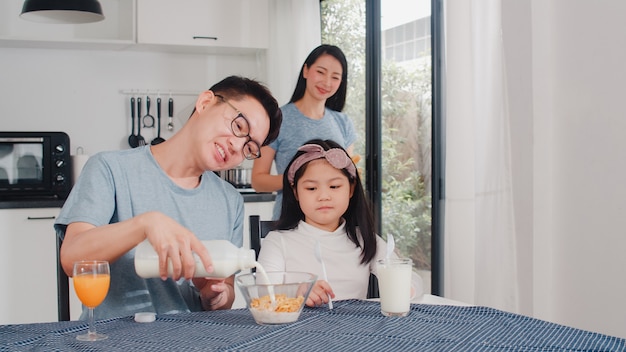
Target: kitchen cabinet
203,26
209,24
28,254
116,31
28,258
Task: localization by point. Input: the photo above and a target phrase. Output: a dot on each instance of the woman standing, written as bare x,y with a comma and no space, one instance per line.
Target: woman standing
314,111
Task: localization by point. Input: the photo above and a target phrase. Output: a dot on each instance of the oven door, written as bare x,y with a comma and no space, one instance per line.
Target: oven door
34,165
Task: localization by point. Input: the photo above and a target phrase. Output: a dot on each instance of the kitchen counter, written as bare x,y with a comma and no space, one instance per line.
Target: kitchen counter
258,197
252,197
31,203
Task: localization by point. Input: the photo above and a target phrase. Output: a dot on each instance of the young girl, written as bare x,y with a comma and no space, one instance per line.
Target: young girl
323,200
314,111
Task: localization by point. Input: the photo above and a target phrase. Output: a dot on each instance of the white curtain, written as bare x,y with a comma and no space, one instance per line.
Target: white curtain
479,239
295,30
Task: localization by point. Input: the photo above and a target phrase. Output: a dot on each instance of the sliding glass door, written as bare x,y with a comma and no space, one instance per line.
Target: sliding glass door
390,101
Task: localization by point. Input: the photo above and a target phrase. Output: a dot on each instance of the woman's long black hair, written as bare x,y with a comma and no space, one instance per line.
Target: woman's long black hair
358,215
338,100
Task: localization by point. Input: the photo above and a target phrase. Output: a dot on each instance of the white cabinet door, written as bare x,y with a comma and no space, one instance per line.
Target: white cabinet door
116,31
28,262
210,23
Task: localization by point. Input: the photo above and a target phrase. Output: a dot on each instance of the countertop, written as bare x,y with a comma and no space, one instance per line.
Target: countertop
248,197
31,203
258,197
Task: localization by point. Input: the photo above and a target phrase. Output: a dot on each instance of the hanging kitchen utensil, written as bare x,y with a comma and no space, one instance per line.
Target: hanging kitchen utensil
170,113
132,139
148,120
158,138
140,139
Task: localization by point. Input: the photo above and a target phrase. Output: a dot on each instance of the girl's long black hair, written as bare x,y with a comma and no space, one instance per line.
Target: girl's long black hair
358,215
338,100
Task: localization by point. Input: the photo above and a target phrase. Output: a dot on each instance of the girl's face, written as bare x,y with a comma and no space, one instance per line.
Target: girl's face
323,78
324,194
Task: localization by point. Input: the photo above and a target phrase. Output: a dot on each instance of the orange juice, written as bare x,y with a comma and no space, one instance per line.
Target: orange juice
91,289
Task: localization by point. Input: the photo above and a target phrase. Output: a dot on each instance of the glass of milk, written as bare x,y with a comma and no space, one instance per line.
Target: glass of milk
394,285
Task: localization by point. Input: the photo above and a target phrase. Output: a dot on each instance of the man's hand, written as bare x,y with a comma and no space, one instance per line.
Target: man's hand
175,244
216,294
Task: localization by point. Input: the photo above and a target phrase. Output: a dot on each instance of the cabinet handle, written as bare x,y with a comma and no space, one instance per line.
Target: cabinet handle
41,217
201,37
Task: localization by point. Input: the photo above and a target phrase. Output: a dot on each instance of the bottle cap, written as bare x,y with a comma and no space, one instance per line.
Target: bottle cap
145,317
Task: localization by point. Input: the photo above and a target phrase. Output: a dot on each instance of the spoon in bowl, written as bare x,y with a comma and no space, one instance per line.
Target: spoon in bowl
318,256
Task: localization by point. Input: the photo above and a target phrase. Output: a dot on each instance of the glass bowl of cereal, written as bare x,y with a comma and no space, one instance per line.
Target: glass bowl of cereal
275,297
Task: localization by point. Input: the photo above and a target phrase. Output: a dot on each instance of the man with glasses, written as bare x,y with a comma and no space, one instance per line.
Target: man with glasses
241,128
169,195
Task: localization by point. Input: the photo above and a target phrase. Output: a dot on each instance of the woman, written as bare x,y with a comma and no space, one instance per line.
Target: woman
314,111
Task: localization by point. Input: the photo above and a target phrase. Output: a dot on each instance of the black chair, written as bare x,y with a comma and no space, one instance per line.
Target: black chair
63,287
372,288
259,229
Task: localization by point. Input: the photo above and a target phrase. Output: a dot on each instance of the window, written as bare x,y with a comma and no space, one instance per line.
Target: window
404,203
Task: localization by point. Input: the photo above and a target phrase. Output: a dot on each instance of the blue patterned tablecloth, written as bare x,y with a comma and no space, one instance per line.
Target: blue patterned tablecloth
352,325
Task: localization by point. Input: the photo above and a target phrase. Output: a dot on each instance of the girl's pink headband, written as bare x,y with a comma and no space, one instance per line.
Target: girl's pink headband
335,157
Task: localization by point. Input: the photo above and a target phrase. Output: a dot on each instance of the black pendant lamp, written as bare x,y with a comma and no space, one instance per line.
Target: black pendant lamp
62,11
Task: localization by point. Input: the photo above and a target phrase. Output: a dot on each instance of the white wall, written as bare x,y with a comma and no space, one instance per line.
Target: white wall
583,58
294,32
566,73
80,92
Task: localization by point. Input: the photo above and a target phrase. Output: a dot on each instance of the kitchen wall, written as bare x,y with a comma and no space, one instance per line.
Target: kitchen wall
81,92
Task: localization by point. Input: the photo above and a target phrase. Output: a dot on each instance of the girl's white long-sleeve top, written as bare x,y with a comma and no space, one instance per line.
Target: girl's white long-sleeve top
294,250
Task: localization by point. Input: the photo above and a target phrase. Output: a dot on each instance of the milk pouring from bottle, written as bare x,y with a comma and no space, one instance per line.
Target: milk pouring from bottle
227,260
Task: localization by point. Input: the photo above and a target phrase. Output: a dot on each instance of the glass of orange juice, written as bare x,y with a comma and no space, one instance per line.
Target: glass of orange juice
91,283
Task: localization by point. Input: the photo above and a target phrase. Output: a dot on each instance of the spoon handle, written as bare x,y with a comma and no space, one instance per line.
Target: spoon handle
391,245
330,300
318,256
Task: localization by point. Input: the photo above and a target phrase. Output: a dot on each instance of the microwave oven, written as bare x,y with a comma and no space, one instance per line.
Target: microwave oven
35,165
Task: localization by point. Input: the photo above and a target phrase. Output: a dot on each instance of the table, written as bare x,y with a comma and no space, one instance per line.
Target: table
353,325
427,298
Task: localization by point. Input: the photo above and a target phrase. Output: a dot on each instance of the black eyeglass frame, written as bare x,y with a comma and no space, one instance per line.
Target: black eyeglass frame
250,145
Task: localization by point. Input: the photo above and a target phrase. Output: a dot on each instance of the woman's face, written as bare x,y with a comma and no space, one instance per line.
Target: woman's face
323,77
323,193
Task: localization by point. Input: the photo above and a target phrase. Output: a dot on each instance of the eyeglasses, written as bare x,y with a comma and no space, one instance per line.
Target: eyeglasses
241,128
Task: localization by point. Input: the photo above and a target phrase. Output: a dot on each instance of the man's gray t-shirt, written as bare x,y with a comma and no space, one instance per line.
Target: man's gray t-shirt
116,186
296,129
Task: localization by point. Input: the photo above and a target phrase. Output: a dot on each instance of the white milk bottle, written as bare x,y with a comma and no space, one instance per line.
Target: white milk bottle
227,260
